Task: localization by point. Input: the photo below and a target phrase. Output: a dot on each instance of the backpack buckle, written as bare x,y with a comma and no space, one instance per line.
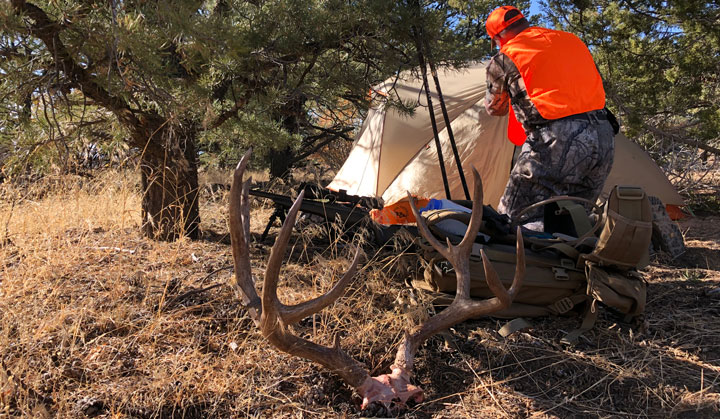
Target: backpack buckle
567,263
560,274
630,193
563,306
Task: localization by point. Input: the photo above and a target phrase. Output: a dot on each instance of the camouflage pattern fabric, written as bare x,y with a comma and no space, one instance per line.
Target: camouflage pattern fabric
564,157
666,235
505,84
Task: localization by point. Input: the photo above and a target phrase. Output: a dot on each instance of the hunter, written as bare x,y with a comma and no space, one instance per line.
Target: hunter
556,92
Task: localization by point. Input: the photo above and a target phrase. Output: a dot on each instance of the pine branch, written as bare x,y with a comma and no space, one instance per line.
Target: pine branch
657,131
329,136
42,27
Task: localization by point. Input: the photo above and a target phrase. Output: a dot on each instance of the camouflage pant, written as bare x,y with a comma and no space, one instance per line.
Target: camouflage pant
565,157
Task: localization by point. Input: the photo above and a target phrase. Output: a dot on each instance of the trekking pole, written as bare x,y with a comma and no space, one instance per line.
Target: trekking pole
423,70
433,71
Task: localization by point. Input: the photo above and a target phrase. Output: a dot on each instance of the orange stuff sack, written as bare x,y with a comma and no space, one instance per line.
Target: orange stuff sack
397,213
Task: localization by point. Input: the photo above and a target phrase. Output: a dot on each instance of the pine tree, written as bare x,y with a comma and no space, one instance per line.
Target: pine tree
660,61
175,80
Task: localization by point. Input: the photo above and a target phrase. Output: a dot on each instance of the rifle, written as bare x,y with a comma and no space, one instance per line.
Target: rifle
321,202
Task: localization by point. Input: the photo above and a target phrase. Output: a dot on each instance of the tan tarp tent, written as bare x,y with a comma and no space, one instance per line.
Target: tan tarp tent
395,153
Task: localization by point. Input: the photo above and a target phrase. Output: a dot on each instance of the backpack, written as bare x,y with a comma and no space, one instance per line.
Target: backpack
563,276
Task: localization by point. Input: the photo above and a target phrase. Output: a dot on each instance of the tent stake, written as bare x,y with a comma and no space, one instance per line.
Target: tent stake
423,70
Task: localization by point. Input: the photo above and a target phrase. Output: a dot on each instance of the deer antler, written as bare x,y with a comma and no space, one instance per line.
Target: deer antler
273,318
462,307
269,313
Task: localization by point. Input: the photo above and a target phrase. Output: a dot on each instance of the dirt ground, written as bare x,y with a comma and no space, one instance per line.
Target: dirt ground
96,321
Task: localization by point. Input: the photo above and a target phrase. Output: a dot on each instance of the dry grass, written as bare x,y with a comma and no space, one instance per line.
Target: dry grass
97,321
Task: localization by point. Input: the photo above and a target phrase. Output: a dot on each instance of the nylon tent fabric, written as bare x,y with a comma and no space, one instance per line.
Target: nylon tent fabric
395,153
633,166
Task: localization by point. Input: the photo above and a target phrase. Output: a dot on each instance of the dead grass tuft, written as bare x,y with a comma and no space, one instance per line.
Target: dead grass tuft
97,321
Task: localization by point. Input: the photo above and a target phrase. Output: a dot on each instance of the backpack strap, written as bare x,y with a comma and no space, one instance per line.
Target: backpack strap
566,250
578,214
561,306
626,235
566,304
589,319
513,326
629,201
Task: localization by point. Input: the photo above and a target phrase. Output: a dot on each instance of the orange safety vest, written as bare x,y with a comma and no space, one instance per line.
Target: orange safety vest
558,71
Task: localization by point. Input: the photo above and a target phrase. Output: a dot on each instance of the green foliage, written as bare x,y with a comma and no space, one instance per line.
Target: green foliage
294,74
282,74
660,61
469,22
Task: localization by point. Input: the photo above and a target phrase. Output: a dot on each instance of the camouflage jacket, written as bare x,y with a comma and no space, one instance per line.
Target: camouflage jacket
505,86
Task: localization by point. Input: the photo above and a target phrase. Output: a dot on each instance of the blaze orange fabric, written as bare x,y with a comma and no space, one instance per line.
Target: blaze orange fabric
558,71
397,213
516,132
674,212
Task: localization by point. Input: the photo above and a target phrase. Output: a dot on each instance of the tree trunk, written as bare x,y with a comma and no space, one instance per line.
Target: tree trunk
281,162
170,185
168,162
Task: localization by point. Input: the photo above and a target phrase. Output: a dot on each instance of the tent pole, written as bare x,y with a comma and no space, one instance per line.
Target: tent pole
423,70
448,126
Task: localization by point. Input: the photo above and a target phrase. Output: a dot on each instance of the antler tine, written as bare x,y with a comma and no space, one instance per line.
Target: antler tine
493,280
519,264
268,312
295,313
462,307
425,231
503,297
239,218
277,254
273,322
464,248
475,216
